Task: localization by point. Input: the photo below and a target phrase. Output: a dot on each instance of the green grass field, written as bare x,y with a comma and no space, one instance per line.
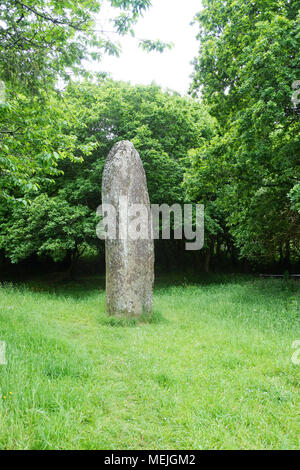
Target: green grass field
213,369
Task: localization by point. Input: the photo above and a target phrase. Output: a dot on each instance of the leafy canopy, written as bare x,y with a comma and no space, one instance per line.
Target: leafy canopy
248,61
42,42
61,219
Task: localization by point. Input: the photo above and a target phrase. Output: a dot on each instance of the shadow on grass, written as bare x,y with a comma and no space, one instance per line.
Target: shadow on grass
59,285
80,288
204,279
85,287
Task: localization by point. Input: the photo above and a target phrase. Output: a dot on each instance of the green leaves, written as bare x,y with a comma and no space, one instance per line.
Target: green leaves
248,60
159,46
162,126
33,140
41,43
48,227
60,221
294,196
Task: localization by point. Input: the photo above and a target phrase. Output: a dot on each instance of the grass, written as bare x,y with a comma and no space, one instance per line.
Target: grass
212,370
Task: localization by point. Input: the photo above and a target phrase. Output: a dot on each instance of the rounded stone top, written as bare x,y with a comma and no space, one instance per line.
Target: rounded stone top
122,146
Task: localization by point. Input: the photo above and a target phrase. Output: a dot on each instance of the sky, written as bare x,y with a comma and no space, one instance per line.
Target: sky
168,20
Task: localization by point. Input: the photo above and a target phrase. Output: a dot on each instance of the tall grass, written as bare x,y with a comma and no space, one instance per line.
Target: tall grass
212,370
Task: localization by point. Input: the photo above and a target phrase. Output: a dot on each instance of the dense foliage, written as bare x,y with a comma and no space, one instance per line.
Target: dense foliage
42,42
61,220
233,145
250,172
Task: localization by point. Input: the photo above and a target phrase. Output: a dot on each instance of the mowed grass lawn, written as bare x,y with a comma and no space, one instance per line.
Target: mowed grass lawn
213,370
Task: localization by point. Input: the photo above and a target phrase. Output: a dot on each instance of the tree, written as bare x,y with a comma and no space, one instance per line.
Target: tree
40,43
49,38
247,63
32,143
163,127
49,227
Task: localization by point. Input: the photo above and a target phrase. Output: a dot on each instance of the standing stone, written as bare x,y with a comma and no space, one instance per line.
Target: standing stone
129,262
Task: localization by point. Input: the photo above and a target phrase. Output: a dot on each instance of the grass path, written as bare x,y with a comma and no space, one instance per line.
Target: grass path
212,371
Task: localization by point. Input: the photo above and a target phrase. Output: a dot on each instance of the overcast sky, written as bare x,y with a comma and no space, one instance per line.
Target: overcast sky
168,20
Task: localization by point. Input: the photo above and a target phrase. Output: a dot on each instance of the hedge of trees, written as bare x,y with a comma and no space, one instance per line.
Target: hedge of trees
232,145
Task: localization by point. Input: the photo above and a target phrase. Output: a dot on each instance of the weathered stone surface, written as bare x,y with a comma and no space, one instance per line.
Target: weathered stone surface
129,263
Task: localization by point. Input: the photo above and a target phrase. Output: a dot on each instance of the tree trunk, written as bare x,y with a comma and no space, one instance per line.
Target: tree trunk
287,254
208,256
73,263
207,261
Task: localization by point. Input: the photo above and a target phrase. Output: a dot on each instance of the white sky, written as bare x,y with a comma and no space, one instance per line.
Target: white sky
168,20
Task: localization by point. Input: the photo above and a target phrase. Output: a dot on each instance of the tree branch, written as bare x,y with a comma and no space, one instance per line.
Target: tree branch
51,19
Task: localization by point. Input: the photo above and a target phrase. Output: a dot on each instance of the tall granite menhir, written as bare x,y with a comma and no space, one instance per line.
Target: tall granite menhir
129,262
